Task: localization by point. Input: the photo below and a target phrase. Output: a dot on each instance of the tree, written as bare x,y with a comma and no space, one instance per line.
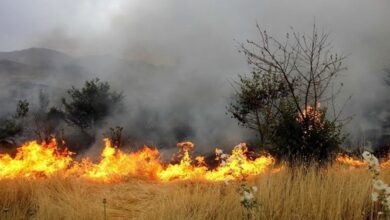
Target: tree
256,102
22,109
308,139
115,136
384,141
282,98
46,121
10,127
91,104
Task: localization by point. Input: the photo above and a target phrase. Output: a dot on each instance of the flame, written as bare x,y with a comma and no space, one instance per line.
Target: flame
42,160
385,164
352,162
37,160
239,166
185,168
34,160
116,164
234,166
309,112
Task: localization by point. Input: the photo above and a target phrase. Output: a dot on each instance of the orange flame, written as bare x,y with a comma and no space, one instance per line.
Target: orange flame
37,160
352,162
116,164
238,166
385,164
311,113
33,160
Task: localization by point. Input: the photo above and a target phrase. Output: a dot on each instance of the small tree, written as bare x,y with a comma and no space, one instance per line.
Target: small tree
281,100
383,148
115,136
45,122
11,127
257,101
22,109
386,122
90,104
299,144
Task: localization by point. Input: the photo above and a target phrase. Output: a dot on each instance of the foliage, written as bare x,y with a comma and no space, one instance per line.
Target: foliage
381,190
90,104
256,102
385,139
289,79
304,140
47,124
10,127
22,109
248,200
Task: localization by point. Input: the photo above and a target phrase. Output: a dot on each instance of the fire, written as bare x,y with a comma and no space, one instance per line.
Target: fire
353,162
42,160
116,164
185,169
349,161
309,112
33,160
232,167
385,164
238,165
36,160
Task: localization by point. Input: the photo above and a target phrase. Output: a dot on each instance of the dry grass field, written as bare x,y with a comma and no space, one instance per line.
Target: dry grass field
336,193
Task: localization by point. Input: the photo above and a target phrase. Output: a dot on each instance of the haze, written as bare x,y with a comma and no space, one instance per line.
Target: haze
175,60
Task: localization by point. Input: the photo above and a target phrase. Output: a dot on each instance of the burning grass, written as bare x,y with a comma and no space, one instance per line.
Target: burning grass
335,193
44,182
34,160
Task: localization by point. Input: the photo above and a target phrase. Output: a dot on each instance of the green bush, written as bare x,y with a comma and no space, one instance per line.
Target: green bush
306,140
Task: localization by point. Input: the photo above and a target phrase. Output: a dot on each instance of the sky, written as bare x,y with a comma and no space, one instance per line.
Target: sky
199,39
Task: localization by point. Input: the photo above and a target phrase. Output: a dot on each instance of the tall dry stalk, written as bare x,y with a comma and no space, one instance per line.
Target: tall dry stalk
333,193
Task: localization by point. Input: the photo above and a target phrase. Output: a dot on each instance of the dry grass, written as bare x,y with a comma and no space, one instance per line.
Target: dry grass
336,193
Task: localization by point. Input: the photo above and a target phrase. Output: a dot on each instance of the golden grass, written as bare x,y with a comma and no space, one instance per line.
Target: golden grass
335,193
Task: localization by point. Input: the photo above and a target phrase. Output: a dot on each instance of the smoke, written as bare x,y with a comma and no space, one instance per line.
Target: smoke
174,60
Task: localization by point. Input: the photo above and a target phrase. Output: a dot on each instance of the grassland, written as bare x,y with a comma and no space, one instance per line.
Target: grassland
334,193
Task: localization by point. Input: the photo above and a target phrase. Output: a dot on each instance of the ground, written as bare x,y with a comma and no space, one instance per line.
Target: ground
338,192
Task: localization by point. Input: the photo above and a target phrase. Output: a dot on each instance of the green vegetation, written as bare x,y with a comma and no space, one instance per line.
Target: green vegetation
281,99
91,104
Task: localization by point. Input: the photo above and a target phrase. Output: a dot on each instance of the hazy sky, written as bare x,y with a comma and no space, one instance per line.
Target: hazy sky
25,22
199,38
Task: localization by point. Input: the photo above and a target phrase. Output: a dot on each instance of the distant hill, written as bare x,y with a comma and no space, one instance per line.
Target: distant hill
12,67
24,72
42,62
37,57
